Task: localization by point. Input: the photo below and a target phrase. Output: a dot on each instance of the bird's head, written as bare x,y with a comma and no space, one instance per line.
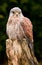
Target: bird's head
16,12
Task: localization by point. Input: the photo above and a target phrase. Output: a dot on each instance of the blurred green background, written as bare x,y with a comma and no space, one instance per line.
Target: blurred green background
31,9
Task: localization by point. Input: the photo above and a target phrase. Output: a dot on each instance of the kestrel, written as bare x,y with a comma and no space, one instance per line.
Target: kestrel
19,26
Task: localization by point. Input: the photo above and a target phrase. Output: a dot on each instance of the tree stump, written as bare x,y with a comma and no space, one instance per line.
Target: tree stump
18,53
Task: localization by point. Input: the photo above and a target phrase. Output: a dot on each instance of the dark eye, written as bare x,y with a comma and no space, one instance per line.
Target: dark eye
19,12
12,12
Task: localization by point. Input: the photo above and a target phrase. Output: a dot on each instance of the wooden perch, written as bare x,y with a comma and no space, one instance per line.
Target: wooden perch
18,53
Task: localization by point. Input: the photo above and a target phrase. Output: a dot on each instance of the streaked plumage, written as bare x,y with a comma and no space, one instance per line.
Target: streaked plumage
18,26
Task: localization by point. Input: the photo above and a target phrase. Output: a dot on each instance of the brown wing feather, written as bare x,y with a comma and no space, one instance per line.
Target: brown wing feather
27,27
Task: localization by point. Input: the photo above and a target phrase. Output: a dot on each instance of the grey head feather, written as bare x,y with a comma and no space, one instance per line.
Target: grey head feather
16,9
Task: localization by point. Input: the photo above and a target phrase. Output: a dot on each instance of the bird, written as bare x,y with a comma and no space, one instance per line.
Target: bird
19,26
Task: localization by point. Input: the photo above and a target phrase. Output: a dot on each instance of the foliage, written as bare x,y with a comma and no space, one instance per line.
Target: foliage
31,9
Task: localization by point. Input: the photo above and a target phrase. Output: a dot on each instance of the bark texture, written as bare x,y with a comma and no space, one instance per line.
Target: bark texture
19,53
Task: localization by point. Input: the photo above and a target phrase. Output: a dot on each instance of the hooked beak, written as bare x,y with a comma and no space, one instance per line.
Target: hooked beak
16,14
